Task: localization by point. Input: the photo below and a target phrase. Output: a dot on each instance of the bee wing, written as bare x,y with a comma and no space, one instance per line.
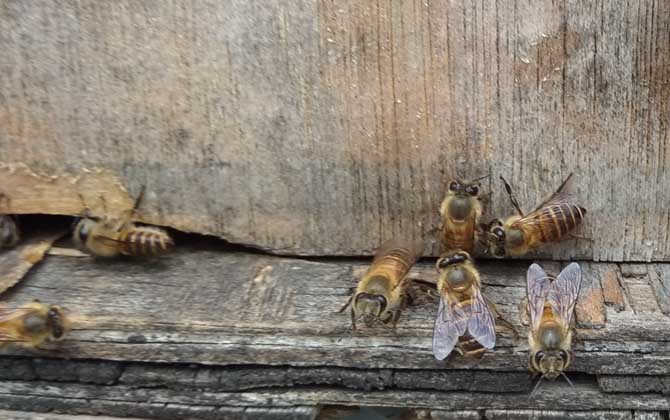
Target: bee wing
563,193
111,242
564,292
8,315
542,215
482,325
538,286
450,323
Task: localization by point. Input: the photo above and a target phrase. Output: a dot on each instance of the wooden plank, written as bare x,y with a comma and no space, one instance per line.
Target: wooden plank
138,401
212,308
659,278
453,415
635,383
590,308
649,415
556,415
26,415
640,292
16,262
612,291
322,128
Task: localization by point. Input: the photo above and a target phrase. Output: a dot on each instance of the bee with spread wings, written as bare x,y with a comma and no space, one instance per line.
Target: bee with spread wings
551,306
553,220
464,319
33,324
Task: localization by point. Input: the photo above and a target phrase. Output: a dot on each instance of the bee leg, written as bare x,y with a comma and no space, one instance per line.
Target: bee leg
503,320
394,321
512,197
578,237
524,316
346,305
139,198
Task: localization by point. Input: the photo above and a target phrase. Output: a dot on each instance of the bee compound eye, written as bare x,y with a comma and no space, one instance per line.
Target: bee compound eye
453,186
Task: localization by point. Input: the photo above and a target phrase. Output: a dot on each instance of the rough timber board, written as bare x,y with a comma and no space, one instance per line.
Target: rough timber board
15,395
315,127
222,308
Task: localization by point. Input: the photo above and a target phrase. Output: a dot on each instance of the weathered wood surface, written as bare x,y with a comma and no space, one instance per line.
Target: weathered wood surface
220,308
26,415
16,262
140,401
322,128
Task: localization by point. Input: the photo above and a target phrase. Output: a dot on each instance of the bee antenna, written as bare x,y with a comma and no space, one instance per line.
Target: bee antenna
482,177
567,379
139,198
537,385
346,332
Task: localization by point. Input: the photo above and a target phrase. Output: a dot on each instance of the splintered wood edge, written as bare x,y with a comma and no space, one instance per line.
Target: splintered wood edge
15,263
96,190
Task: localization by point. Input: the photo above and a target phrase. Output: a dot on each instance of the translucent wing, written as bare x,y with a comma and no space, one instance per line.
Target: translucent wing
450,323
107,240
10,314
563,193
482,325
538,285
542,215
564,292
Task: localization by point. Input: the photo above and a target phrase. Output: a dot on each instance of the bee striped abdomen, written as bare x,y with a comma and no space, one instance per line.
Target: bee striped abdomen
557,220
467,345
470,347
455,237
146,242
393,264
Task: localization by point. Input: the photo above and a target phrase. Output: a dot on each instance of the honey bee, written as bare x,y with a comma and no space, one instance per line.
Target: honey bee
551,306
551,221
33,324
464,318
109,237
460,211
382,292
9,228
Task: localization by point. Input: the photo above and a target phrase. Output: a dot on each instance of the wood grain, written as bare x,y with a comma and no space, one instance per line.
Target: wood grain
213,308
323,128
16,262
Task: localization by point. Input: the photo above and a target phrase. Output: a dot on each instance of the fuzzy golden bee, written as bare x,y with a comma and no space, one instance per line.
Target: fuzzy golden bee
109,237
460,211
464,318
33,324
551,306
551,221
382,292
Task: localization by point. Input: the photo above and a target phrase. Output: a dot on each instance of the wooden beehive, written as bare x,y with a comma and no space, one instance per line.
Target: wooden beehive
321,128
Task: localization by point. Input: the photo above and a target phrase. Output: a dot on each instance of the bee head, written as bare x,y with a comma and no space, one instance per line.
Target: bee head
82,228
551,363
371,307
55,321
450,266
452,259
